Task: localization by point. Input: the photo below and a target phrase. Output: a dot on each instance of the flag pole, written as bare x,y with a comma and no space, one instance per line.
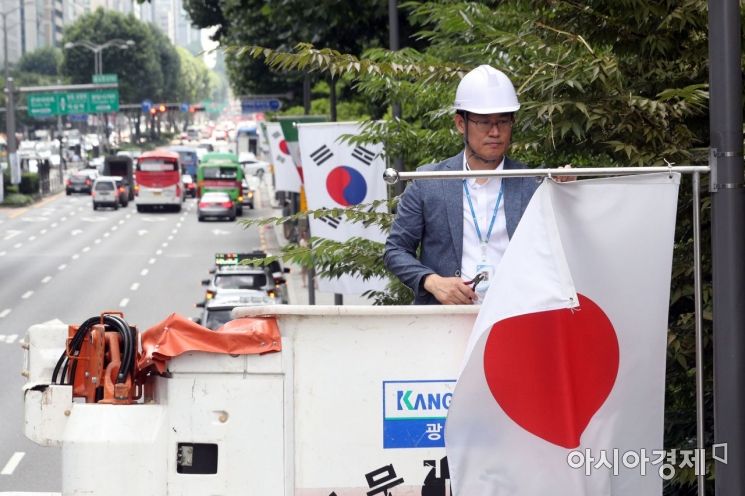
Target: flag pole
698,328
392,176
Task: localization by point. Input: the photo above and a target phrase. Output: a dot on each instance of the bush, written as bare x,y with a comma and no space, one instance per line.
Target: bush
29,183
17,200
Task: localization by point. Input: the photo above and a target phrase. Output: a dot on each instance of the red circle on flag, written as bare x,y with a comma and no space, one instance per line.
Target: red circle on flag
551,371
284,148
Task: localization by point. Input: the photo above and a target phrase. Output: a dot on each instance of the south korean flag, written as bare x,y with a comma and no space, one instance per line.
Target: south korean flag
286,174
337,175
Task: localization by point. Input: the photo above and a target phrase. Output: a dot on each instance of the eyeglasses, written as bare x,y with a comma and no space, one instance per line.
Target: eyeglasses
486,126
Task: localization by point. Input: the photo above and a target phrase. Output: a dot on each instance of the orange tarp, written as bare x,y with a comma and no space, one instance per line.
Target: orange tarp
176,335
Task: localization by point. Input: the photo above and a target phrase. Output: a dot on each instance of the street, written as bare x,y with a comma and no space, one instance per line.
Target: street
61,260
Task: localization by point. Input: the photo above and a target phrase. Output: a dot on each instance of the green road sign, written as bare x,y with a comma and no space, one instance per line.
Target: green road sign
72,102
105,78
42,105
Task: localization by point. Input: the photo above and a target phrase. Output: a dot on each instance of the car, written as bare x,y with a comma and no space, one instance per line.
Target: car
247,193
122,187
233,277
217,313
81,182
105,193
190,187
216,204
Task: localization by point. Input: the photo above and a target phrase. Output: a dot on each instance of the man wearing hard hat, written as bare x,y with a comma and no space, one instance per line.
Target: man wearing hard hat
463,226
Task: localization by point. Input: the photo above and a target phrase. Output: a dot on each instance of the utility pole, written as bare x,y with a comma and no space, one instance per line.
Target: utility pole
727,243
10,114
393,43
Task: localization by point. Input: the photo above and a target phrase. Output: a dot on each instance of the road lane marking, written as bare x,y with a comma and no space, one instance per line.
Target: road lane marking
76,256
10,467
106,235
5,313
54,224
32,238
134,286
87,248
17,245
159,252
97,241
144,272
43,231
46,279
3,253
114,228
142,232
10,340
121,221
178,224
164,245
170,238
63,219
174,231
124,302
62,267
75,232
27,295
151,261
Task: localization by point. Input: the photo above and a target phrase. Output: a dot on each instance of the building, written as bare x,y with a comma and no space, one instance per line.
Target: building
32,24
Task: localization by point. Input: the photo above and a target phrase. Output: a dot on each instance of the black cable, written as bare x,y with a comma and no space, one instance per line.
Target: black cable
129,343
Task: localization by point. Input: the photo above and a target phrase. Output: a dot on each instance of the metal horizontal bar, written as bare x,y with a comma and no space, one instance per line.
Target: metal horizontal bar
66,87
392,176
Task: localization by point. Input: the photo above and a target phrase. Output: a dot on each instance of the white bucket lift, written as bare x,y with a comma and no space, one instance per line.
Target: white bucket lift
353,404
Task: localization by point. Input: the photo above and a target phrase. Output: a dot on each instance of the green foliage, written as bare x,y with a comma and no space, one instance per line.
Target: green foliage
194,77
44,61
141,69
17,200
29,184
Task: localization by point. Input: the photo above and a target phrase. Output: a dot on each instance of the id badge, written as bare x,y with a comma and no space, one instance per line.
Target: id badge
488,270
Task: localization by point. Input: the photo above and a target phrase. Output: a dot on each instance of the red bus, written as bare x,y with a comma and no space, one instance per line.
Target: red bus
158,180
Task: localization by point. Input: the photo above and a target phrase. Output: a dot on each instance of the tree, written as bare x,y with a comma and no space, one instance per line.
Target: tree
194,76
139,68
346,26
44,61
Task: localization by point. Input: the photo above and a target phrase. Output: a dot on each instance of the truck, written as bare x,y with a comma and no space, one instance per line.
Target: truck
121,165
280,401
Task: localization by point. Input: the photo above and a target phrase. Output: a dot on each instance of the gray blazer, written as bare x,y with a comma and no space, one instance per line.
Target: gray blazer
430,217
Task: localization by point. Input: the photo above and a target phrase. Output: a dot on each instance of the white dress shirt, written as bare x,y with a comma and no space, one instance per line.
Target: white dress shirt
484,197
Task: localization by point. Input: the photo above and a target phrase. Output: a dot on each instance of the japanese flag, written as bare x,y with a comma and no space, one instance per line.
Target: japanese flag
565,368
286,174
339,174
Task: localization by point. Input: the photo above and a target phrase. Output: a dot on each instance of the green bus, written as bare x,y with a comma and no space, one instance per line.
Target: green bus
220,171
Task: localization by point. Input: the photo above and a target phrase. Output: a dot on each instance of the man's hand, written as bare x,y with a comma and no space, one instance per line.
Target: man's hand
565,179
449,290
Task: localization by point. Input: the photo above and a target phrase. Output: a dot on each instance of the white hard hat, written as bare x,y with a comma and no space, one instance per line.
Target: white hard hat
485,90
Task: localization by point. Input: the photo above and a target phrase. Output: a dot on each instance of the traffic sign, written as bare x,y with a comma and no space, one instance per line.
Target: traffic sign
146,106
72,102
105,79
184,107
260,105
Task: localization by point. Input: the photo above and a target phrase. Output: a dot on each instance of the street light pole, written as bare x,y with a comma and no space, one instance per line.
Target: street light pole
10,114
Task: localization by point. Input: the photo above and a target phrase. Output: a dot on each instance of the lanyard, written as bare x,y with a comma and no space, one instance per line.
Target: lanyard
483,241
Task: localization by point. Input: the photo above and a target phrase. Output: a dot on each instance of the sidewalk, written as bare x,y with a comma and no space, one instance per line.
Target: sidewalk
272,241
